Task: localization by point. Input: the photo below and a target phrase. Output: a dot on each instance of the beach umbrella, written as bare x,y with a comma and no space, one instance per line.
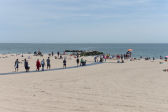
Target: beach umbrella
130,50
166,56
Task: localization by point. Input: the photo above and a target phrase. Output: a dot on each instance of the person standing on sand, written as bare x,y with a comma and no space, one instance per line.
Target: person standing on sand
38,65
58,54
48,63
26,65
42,64
77,55
77,61
52,53
95,59
105,57
153,58
16,65
64,63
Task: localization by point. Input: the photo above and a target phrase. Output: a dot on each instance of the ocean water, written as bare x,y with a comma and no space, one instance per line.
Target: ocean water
145,50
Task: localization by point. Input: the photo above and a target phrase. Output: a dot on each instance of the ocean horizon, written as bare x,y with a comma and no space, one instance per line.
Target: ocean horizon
139,49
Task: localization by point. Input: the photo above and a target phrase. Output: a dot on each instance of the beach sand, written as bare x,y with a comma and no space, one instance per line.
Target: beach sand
134,86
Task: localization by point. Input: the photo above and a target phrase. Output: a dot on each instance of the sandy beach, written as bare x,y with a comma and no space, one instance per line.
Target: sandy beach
134,86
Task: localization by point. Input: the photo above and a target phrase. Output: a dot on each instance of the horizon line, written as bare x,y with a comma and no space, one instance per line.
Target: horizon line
74,43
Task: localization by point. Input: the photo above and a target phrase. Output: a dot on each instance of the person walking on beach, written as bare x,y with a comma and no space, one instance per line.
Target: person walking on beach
26,65
52,53
58,54
48,63
42,64
95,59
38,65
77,61
16,65
64,63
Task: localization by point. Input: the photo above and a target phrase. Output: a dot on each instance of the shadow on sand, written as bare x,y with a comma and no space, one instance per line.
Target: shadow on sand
23,72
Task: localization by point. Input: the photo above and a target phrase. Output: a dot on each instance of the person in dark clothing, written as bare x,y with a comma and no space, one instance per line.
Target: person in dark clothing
52,53
48,63
95,59
26,65
58,54
16,65
153,58
64,63
77,55
77,61
161,57
122,58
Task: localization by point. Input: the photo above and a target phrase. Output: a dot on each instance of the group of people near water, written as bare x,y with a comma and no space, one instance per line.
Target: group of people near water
40,65
120,57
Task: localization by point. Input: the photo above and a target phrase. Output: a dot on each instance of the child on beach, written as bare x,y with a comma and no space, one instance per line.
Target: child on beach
16,65
42,64
38,65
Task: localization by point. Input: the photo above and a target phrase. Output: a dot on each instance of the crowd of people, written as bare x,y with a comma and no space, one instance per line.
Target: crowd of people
40,65
119,57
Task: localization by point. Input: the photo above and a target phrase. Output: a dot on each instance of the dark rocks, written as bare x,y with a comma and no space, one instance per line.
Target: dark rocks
85,53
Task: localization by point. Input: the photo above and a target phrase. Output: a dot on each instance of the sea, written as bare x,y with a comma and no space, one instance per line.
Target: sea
145,50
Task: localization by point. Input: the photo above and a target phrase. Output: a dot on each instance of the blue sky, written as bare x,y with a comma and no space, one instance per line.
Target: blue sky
84,21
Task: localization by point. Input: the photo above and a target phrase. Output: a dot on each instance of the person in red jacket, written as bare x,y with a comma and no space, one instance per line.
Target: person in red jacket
38,65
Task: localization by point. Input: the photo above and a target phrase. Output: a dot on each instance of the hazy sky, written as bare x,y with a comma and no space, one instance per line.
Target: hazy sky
84,21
